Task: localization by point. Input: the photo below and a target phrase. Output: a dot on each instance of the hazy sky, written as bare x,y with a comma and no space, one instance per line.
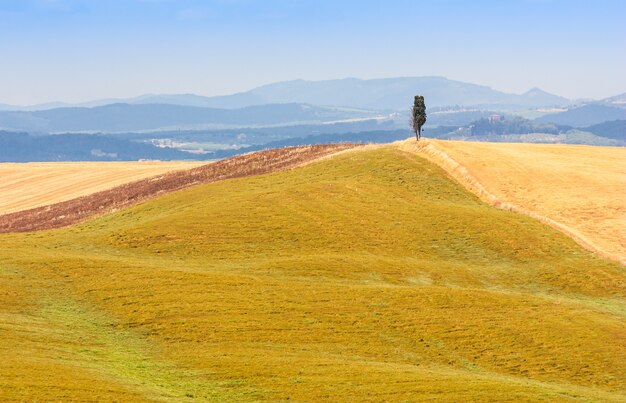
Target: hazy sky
78,50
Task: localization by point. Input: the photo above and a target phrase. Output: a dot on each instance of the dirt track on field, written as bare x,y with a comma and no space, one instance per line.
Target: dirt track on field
76,210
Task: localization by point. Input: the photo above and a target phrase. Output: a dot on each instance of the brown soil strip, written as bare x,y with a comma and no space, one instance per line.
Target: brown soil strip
77,210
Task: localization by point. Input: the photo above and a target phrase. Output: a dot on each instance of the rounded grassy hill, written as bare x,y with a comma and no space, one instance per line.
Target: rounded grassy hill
370,275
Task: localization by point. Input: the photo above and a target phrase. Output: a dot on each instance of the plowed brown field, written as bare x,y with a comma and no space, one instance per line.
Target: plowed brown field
576,189
36,184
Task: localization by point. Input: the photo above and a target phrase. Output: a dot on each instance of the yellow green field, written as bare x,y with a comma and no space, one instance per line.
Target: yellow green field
369,276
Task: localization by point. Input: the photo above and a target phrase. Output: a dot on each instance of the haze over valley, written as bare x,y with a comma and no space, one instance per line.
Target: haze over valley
190,126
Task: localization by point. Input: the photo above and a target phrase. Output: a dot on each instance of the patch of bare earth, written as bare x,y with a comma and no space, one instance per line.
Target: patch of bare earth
76,210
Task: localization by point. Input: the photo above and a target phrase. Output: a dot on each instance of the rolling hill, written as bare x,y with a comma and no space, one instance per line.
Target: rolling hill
545,182
370,275
613,129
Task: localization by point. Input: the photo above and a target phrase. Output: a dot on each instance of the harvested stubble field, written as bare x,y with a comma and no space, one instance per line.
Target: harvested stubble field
28,185
367,276
577,189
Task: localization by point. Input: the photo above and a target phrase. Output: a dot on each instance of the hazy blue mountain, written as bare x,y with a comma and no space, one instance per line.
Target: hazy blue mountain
36,107
586,115
125,117
539,98
445,93
171,99
377,94
220,102
617,100
615,129
386,94
389,94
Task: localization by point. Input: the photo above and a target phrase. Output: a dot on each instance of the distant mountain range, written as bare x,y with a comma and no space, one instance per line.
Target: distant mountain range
390,94
394,94
141,117
301,102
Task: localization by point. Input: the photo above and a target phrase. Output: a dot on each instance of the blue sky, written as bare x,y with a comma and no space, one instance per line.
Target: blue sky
79,50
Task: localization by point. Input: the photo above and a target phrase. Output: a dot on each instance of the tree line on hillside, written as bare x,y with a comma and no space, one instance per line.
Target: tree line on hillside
615,129
22,147
500,125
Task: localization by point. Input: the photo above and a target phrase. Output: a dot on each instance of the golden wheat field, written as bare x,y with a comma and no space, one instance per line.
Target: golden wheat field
574,188
35,184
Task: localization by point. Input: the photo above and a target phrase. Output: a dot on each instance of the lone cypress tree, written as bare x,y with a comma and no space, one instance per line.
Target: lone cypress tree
418,116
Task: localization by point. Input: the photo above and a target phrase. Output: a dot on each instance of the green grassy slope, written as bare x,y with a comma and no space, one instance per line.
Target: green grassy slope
367,276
